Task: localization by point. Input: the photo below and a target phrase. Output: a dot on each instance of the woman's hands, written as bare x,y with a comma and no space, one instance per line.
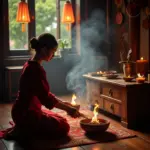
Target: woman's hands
72,111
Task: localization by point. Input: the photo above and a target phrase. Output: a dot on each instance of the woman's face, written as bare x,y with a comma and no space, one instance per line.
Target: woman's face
49,54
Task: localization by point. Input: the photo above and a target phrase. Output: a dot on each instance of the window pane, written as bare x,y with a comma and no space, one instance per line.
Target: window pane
65,33
18,40
45,16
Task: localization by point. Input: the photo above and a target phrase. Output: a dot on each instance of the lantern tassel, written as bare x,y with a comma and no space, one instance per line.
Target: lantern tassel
68,27
23,27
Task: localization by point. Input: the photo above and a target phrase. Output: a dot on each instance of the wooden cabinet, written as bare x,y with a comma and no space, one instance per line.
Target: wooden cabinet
12,75
128,100
111,91
112,107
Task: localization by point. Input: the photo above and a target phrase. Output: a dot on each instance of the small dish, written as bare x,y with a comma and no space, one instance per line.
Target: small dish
97,74
128,79
140,80
77,106
111,76
111,72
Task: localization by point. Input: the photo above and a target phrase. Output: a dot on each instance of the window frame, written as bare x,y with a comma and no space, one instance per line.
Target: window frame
31,28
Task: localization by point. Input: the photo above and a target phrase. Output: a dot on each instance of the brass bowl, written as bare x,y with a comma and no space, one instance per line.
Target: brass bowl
89,127
128,79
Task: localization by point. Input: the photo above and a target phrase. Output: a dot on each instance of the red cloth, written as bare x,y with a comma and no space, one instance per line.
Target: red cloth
33,93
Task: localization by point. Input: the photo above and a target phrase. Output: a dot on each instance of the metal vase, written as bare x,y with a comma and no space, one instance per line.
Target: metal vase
127,69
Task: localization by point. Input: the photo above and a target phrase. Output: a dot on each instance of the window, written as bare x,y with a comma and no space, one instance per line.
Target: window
18,40
47,19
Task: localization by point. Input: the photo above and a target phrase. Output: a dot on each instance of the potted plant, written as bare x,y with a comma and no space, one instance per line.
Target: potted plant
64,45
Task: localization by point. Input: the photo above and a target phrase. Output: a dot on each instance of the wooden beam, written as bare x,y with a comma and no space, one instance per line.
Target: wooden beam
149,40
58,19
108,22
134,35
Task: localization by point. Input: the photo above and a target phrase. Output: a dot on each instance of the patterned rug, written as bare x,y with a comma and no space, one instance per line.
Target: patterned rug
77,136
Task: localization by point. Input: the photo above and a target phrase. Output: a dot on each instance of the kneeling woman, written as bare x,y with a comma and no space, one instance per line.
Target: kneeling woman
34,92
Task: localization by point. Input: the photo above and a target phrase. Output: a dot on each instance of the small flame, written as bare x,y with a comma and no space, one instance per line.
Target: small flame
73,100
99,72
68,17
94,118
142,58
139,75
128,76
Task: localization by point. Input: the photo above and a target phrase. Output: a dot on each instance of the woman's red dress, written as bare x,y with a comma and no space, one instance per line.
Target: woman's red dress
33,93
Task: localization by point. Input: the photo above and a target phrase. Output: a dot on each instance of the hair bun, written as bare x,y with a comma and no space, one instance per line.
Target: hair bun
34,43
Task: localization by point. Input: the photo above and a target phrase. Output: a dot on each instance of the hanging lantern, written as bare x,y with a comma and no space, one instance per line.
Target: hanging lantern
23,14
67,15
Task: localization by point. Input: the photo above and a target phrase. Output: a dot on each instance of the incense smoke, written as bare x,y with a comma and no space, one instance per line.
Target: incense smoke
93,34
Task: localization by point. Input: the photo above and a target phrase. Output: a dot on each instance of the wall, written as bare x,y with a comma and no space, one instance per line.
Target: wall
118,31
1,51
135,36
56,70
144,38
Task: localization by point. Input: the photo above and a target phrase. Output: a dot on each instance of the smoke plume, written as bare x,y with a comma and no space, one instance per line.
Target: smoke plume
92,51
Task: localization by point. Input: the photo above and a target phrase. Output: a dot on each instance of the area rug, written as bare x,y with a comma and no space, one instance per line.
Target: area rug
78,137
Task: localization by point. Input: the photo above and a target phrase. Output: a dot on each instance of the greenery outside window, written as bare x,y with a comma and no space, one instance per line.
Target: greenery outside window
45,14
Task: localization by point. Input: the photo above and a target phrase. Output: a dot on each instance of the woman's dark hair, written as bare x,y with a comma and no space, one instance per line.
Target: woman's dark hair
44,40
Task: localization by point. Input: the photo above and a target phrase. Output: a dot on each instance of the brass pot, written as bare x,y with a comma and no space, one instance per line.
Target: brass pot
128,68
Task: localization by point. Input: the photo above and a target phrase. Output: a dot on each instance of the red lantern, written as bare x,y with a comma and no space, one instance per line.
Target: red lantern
67,15
23,14
119,18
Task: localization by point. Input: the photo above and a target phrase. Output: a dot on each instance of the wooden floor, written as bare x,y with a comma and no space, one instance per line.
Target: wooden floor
141,142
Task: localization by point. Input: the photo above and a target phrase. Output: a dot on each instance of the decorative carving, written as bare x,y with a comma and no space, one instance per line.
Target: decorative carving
133,9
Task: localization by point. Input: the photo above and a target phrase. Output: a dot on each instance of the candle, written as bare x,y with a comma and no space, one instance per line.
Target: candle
99,73
128,76
142,66
73,102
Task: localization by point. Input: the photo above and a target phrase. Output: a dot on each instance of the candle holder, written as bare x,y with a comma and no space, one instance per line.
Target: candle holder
89,127
97,74
128,79
77,106
128,68
140,79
